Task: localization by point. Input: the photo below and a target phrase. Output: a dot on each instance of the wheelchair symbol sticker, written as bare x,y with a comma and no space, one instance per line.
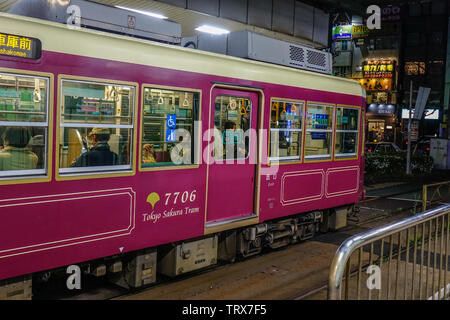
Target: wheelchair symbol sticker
171,121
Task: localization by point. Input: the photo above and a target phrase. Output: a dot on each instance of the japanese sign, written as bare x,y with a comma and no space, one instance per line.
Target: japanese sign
18,46
377,84
360,31
342,32
378,69
390,13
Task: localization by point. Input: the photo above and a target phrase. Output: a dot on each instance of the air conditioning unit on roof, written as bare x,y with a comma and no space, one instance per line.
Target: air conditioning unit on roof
250,45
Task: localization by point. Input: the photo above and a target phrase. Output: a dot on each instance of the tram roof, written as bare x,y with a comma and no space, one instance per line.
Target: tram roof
91,43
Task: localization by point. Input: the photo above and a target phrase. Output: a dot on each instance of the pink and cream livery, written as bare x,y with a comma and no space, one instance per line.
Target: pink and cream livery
246,154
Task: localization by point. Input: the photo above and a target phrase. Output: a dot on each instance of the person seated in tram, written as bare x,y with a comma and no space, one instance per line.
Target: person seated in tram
99,154
2,130
232,142
15,155
148,155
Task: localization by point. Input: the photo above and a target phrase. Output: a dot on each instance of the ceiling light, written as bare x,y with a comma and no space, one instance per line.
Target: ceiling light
151,14
213,30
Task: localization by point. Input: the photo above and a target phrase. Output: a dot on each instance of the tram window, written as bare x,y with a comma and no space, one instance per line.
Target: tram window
231,126
346,132
319,131
168,127
96,127
23,125
286,130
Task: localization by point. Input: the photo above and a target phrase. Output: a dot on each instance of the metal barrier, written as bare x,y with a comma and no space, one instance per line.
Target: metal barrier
441,193
395,251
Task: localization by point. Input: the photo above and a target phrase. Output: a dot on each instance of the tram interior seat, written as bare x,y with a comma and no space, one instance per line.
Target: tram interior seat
162,156
316,147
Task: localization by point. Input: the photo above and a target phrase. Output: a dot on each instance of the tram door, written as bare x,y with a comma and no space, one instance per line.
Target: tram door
232,165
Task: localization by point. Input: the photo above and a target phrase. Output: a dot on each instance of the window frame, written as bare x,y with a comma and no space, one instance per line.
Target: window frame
197,142
348,156
34,175
223,160
330,156
287,159
104,171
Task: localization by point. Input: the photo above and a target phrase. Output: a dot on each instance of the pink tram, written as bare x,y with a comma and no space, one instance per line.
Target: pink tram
172,202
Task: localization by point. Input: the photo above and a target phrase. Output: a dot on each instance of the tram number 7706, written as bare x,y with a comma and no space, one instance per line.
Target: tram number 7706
185,197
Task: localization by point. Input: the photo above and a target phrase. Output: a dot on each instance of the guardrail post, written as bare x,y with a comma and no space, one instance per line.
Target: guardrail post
424,198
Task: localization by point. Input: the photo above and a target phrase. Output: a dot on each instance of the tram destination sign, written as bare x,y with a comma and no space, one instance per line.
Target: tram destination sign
19,46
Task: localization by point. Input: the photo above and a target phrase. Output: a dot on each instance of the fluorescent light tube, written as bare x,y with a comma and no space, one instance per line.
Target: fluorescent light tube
212,30
151,14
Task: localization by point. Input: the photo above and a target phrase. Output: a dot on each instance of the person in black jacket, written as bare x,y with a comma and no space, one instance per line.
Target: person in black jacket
100,154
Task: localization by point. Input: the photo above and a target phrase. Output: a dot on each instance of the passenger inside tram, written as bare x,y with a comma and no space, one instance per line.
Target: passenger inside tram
37,143
99,153
15,155
148,154
23,122
2,130
233,142
232,120
168,125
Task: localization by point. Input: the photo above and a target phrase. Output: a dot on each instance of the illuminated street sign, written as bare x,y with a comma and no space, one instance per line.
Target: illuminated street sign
378,69
342,32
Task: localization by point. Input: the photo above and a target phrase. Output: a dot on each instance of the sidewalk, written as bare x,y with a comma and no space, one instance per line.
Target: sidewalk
382,185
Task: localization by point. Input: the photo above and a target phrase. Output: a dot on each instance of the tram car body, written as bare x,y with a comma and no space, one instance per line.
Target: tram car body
302,165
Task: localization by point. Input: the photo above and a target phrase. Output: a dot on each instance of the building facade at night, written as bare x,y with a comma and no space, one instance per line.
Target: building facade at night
411,46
